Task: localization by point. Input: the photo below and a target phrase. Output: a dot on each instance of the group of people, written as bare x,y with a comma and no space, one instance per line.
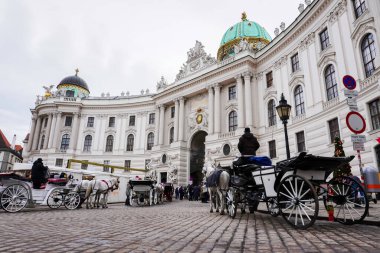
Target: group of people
191,192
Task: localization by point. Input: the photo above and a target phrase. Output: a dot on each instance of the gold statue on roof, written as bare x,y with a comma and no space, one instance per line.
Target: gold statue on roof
244,16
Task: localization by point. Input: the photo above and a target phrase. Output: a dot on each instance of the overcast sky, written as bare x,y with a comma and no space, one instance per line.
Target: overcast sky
118,45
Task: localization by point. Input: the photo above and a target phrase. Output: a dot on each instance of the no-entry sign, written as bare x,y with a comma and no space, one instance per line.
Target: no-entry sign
349,82
355,122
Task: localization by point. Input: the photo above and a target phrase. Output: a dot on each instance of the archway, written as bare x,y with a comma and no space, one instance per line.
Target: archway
197,157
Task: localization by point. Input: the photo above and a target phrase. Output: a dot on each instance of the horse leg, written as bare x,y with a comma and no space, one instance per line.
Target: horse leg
211,200
221,198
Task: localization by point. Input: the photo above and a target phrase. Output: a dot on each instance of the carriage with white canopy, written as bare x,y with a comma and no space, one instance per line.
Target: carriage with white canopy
294,188
142,192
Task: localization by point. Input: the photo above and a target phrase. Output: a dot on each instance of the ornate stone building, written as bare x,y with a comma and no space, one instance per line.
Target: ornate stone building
203,113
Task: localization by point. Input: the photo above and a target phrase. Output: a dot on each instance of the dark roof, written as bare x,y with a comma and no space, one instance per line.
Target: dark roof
74,80
6,146
4,143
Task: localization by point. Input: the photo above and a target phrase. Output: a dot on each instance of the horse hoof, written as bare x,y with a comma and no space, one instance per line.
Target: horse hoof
221,213
217,211
211,211
243,211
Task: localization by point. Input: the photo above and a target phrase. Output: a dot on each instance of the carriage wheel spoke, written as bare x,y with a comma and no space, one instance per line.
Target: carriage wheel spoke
355,204
301,206
291,186
332,188
291,212
349,212
311,209
288,192
295,186
303,182
300,211
304,193
354,209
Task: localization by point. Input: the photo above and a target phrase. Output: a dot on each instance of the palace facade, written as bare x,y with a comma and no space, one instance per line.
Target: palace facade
202,114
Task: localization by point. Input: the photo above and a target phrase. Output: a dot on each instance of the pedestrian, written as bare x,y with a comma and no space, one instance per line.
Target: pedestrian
181,192
196,191
248,145
39,174
190,191
177,192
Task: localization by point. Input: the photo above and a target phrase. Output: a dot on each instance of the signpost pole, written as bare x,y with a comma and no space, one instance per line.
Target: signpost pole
360,163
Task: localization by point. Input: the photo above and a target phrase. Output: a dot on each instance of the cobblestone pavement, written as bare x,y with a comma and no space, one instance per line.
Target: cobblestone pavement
180,226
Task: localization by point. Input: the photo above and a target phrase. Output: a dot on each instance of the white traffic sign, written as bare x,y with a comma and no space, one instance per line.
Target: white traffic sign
358,138
351,93
355,122
351,101
354,108
358,146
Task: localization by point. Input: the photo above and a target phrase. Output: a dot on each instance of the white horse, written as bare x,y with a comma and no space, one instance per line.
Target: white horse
217,193
99,187
159,188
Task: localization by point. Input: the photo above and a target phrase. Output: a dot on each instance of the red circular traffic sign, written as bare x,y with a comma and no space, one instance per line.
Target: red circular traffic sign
355,122
349,82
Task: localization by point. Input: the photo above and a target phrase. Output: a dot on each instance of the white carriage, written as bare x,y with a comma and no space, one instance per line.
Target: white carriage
17,193
142,192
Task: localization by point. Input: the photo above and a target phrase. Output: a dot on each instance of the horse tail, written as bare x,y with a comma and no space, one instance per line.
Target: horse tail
224,180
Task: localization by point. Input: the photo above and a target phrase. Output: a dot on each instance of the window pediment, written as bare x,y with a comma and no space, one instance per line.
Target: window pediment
270,92
362,27
296,79
326,57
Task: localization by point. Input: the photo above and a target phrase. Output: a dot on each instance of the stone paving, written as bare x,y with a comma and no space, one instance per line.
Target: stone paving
179,226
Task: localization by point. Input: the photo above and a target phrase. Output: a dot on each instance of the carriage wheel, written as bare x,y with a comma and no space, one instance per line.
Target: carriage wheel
348,199
14,198
272,206
155,198
72,200
55,199
297,201
231,202
151,197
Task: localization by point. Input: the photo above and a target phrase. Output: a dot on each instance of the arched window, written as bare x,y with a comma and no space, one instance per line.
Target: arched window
87,143
109,143
130,142
42,142
369,54
65,142
232,121
69,93
271,113
171,135
299,102
330,80
150,141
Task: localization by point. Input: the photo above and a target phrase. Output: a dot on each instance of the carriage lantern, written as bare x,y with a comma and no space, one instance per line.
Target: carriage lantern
283,110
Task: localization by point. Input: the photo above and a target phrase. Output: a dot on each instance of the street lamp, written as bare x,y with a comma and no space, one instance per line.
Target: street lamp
283,110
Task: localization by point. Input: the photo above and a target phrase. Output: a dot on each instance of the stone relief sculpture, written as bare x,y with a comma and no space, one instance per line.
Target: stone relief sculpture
162,83
173,175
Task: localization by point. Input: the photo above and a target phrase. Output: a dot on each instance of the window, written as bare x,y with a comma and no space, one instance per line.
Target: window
147,162
109,143
132,120
87,143
300,136
324,38
90,122
65,142
111,122
84,166
271,113
171,135
106,168
151,118
232,121
59,162
295,63
330,80
172,112
70,93
46,121
272,149
374,110
377,152
68,120
359,6
299,102
269,76
127,163
42,142
232,93
150,141
369,54
334,129
130,142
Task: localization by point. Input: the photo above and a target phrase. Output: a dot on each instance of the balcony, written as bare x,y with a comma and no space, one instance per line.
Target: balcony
330,103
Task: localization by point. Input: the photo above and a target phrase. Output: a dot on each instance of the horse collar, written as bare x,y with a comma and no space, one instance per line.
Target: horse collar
106,184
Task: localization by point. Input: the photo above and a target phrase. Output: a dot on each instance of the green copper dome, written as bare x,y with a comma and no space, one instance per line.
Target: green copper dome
246,30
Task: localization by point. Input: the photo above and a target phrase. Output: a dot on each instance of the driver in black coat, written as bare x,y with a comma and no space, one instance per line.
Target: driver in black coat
248,145
39,172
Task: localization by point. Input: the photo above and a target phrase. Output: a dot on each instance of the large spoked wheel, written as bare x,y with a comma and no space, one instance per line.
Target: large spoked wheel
14,198
272,206
55,199
297,201
348,199
72,200
231,202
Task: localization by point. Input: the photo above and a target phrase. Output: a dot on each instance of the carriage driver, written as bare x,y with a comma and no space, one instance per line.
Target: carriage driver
39,174
248,145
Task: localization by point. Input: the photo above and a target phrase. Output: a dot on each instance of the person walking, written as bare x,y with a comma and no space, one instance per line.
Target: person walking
177,192
181,192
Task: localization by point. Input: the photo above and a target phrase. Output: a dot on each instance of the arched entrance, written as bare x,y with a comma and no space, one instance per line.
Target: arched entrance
197,156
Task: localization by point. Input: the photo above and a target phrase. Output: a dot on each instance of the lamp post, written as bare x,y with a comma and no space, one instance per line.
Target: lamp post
283,110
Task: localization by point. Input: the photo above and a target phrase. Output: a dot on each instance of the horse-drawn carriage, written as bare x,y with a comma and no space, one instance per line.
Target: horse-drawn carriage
17,192
168,191
142,192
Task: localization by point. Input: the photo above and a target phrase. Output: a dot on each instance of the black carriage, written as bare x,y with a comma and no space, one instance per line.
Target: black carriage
294,188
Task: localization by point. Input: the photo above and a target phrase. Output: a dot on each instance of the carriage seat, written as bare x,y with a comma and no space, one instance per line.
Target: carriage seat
58,181
43,186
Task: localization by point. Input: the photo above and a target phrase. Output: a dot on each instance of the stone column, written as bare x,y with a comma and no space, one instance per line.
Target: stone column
118,133
176,119
181,118
30,141
123,141
97,135
248,98
74,132
161,130
36,135
240,100
210,109
217,108
157,125
57,130
47,134
52,129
